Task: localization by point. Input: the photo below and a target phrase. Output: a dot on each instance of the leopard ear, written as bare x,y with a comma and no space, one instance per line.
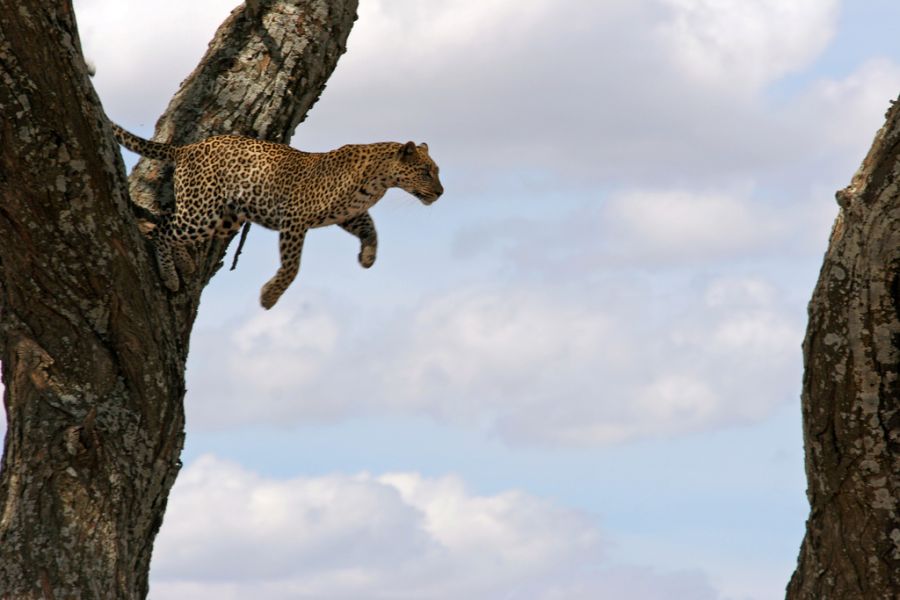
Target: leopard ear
408,152
423,146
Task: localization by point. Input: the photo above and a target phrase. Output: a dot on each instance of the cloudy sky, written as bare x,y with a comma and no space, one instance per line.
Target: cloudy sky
574,377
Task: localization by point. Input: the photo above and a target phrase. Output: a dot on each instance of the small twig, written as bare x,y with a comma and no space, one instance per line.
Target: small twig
240,247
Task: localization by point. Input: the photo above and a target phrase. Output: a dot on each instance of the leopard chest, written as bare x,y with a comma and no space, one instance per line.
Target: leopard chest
341,204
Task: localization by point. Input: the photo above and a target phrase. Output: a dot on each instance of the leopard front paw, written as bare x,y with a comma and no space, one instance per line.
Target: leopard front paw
366,257
269,295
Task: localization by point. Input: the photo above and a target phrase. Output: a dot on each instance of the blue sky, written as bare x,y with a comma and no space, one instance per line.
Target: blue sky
575,376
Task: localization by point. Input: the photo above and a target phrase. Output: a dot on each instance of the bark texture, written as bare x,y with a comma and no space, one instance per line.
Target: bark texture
92,346
851,394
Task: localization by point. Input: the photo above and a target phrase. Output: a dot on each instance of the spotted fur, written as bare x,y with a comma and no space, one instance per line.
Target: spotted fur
223,181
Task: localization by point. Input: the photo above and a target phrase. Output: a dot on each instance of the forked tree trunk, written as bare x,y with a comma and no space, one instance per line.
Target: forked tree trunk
851,394
92,346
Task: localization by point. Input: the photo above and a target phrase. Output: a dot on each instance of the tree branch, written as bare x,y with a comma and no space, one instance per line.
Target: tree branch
92,346
851,394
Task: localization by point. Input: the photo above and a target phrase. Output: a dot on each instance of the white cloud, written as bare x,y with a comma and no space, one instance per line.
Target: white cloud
617,372
143,50
612,92
581,364
617,92
220,515
417,34
745,44
300,340
671,225
478,353
230,533
655,229
855,105
275,365
635,583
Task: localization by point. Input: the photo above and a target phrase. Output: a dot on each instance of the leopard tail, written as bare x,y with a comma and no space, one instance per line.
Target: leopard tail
139,145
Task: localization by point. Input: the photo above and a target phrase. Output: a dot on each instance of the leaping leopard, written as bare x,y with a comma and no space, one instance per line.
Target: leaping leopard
223,181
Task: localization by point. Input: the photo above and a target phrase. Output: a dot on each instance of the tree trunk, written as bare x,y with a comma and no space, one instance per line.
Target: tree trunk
92,346
851,394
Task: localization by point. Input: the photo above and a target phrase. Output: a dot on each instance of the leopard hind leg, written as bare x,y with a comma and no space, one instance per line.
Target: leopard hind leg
183,259
290,243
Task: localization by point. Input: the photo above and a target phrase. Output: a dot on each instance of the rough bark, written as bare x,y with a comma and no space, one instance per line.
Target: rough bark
851,394
92,346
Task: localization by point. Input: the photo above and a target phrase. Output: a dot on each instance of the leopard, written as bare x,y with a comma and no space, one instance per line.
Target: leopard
224,181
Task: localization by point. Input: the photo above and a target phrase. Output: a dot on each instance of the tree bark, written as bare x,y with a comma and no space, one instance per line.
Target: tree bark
851,394
92,346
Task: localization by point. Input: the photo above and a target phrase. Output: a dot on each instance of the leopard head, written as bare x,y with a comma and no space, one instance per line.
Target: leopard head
416,173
